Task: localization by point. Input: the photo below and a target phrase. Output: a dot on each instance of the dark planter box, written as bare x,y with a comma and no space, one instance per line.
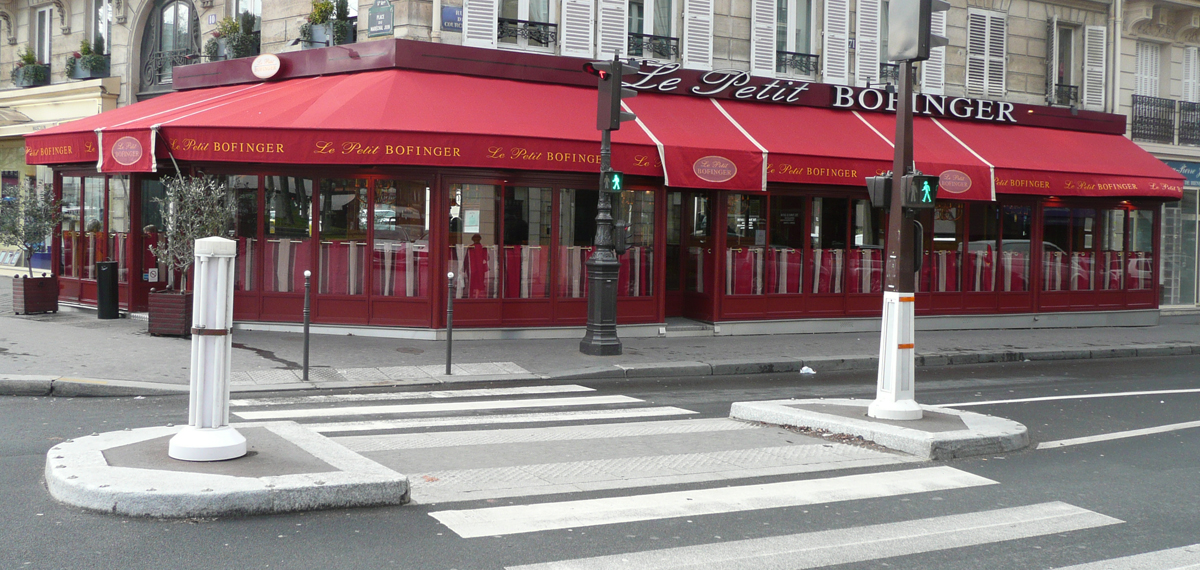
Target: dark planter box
21,79
170,313
80,73
35,295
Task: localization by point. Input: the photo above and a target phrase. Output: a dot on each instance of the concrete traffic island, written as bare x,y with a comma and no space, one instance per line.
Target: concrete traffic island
287,468
941,433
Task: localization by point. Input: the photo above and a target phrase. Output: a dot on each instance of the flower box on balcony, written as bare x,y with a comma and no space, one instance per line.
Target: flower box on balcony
31,75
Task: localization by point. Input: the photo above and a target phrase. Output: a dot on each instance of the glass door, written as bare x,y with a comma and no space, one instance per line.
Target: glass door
697,243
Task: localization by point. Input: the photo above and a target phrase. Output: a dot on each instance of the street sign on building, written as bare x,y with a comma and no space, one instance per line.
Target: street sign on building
380,19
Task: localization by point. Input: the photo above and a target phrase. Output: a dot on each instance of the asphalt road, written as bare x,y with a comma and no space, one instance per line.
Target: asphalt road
1149,483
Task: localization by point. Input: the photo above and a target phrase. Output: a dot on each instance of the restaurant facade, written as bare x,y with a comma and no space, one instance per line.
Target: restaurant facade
382,167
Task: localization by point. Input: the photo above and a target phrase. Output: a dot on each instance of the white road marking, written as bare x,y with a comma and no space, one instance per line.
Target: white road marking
856,544
1071,397
537,417
1116,435
426,395
518,519
1182,558
438,407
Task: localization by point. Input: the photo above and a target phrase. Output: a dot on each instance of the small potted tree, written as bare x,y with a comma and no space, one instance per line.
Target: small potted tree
193,207
327,24
233,38
30,72
89,62
28,215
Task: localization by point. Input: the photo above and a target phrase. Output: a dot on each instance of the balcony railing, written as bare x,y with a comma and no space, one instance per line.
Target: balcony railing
1065,95
538,33
796,63
1189,123
156,70
657,47
889,73
1153,119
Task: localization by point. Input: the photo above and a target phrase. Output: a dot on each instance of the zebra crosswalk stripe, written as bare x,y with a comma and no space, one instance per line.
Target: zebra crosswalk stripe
518,519
536,417
1182,558
856,544
423,395
434,407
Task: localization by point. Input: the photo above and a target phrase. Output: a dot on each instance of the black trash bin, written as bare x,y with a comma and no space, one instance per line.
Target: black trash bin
107,301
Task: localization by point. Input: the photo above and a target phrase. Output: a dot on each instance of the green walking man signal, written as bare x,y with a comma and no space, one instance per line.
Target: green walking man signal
612,181
920,191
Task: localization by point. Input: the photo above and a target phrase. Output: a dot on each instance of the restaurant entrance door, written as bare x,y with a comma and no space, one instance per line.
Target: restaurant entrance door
690,261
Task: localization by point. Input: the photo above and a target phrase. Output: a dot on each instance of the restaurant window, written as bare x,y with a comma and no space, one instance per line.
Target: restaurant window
745,244
171,38
793,38
635,277
1016,224
576,234
1140,274
785,255
118,224
982,247
287,229
526,227
865,262
1180,223
700,234
244,190
400,254
343,235
527,24
1111,263
651,29
474,241
1068,249
71,227
95,240
942,245
829,231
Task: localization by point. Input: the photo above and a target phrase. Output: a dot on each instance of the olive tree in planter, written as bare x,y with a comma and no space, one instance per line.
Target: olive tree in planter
28,215
193,207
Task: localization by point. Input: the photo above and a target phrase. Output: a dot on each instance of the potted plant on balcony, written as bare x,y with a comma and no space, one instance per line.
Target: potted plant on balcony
193,207
30,72
233,38
89,62
327,24
28,215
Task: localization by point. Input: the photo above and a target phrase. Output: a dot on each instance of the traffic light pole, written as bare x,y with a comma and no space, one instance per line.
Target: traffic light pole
894,391
602,269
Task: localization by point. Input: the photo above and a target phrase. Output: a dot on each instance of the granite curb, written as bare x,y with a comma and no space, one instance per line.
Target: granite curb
979,434
47,385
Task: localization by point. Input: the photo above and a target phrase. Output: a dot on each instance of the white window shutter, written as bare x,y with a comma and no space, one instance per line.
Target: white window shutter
698,34
1095,43
1052,60
835,49
614,28
933,70
997,54
762,38
1191,93
479,22
866,42
976,54
578,25
1146,72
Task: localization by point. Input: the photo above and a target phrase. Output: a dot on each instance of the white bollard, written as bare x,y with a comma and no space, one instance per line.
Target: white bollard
208,436
894,399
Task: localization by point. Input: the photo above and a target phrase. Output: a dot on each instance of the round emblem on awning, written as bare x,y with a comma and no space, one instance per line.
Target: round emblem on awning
715,169
265,66
954,181
127,151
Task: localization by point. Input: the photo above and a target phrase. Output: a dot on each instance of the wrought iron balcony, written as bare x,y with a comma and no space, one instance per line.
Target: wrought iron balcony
657,47
889,73
796,63
538,33
1189,123
156,69
1065,95
1153,119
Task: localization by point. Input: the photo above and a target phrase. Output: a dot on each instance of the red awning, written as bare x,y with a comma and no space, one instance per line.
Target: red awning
392,117
937,152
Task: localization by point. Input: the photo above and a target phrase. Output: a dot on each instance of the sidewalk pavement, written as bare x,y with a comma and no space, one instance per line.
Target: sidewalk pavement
72,353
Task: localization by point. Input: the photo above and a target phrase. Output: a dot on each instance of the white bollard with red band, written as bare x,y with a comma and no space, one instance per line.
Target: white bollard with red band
894,391
208,436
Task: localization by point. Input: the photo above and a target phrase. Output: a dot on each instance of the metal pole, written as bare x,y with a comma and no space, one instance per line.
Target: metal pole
307,312
449,319
603,268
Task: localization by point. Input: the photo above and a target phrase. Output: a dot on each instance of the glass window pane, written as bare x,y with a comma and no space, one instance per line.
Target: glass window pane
400,254
829,231
1016,223
526,242
745,244
698,232
287,229
981,252
244,189
1112,249
1140,273
71,226
576,234
153,192
943,244
674,239
785,256
343,247
95,239
118,224
866,259
475,241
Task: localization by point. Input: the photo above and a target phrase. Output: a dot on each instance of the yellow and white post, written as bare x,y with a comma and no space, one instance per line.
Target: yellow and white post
894,391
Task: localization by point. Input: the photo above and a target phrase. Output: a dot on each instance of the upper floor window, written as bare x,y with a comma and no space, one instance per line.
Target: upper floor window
43,26
1146,70
527,23
1076,68
171,38
987,42
254,9
102,18
652,30
793,38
